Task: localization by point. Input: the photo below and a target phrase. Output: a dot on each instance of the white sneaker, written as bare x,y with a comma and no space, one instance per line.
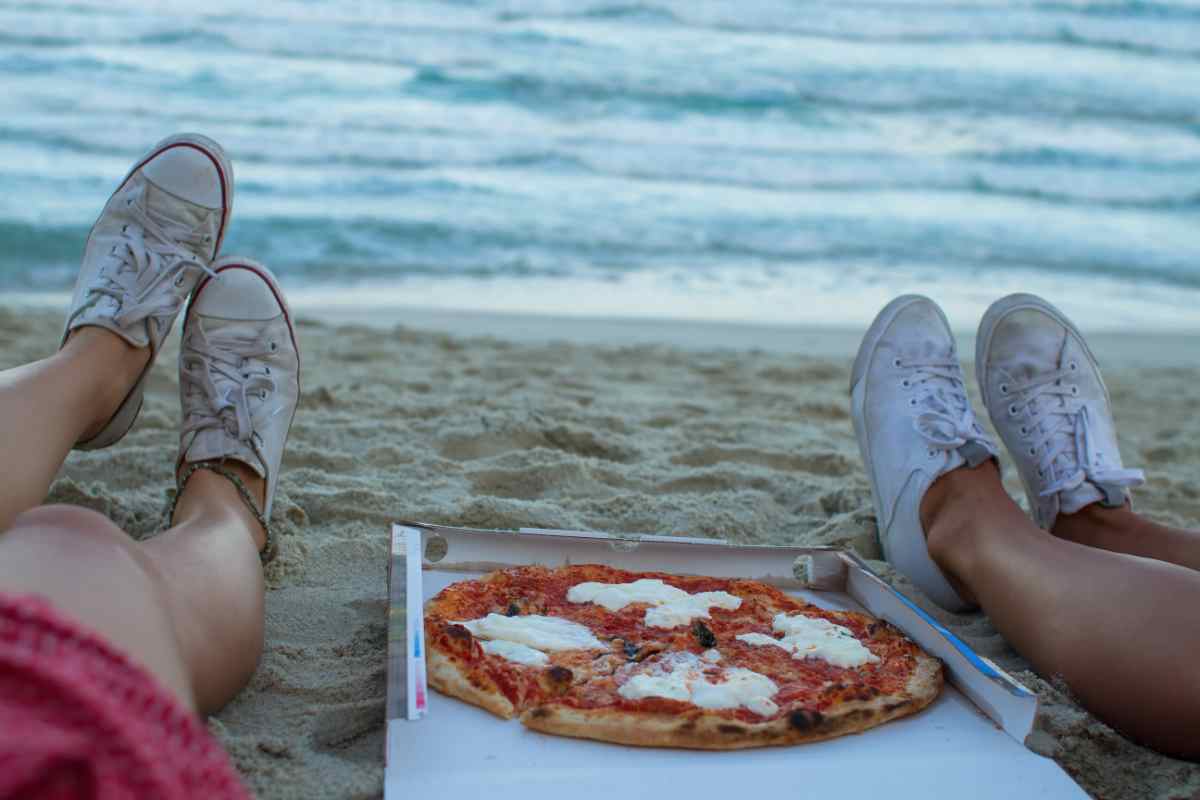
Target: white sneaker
914,424
239,372
1044,393
152,243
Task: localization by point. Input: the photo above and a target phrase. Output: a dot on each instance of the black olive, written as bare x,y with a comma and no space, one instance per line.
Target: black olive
631,650
703,634
513,610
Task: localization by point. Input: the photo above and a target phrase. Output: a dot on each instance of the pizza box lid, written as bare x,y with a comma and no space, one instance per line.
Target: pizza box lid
969,741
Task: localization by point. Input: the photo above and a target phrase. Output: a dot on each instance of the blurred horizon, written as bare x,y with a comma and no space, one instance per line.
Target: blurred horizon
766,161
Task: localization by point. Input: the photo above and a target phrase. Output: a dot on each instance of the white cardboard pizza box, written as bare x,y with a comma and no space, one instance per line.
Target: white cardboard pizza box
968,743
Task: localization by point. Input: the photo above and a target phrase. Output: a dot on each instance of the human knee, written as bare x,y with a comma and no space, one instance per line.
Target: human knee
63,518
82,535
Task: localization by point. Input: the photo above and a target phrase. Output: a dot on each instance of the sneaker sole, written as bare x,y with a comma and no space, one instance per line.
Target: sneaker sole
983,341
127,413
268,277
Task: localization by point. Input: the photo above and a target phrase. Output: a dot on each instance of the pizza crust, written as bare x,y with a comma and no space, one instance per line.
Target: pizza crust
701,730
447,678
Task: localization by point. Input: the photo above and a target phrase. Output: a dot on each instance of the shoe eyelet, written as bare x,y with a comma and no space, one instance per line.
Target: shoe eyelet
1040,473
1033,451
273,347
896,363
1004,388
912,401
268,370
932,453
245,374
1024,431
1075,391
906,383
1072,366
1012,409
179,280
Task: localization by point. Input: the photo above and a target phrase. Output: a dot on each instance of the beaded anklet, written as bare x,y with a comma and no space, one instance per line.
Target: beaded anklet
266,554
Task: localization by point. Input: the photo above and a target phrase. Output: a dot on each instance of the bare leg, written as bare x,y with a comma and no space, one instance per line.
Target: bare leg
1120,629
187,605
49,405
1122,531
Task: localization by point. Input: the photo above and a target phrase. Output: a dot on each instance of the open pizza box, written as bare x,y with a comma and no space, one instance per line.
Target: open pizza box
968,743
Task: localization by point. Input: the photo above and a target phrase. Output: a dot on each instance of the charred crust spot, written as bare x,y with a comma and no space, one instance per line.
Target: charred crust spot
512,610
728,729
541,712
458,632
703,635
805,720
872,628
560,675
890,707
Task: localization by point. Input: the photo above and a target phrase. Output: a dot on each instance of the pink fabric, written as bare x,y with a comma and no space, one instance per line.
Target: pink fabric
80,720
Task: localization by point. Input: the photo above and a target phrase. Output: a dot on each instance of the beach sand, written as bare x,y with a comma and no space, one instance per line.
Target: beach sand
699,434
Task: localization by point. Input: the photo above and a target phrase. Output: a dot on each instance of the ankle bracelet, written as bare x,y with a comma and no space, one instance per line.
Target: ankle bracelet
267,553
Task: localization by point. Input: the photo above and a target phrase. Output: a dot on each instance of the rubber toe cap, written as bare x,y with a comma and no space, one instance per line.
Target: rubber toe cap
238,293
188,172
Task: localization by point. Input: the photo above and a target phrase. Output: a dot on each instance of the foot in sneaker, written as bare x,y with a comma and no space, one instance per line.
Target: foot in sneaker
1043,391
153,242
239,376
914,424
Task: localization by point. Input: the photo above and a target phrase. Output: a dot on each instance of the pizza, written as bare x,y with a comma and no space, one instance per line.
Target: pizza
661,660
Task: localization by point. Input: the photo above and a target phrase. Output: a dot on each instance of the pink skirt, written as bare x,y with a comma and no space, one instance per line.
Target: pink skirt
80,720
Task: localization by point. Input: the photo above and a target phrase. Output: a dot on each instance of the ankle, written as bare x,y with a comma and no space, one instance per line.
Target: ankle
950,516
1093,521
115,363
207,494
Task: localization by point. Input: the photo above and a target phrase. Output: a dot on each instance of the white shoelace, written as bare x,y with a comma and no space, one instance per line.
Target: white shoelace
149,254
227,384
946,420
1068,454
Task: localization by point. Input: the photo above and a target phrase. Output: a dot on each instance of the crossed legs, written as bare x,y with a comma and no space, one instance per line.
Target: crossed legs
1117,619
187,604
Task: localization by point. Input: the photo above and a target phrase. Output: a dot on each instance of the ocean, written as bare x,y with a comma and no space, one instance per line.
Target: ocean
771,161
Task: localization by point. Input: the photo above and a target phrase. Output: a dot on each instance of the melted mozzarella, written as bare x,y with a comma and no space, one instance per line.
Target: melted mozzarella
713,655
680,676
815,637
670,607
535,631
512,651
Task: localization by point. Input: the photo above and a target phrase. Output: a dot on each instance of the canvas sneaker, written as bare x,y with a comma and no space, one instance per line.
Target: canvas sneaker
1043,390
914,423
153,242
239,372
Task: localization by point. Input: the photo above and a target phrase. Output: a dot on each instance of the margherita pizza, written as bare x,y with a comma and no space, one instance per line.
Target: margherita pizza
661,660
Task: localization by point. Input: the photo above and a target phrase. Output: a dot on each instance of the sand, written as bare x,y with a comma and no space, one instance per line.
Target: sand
699,434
